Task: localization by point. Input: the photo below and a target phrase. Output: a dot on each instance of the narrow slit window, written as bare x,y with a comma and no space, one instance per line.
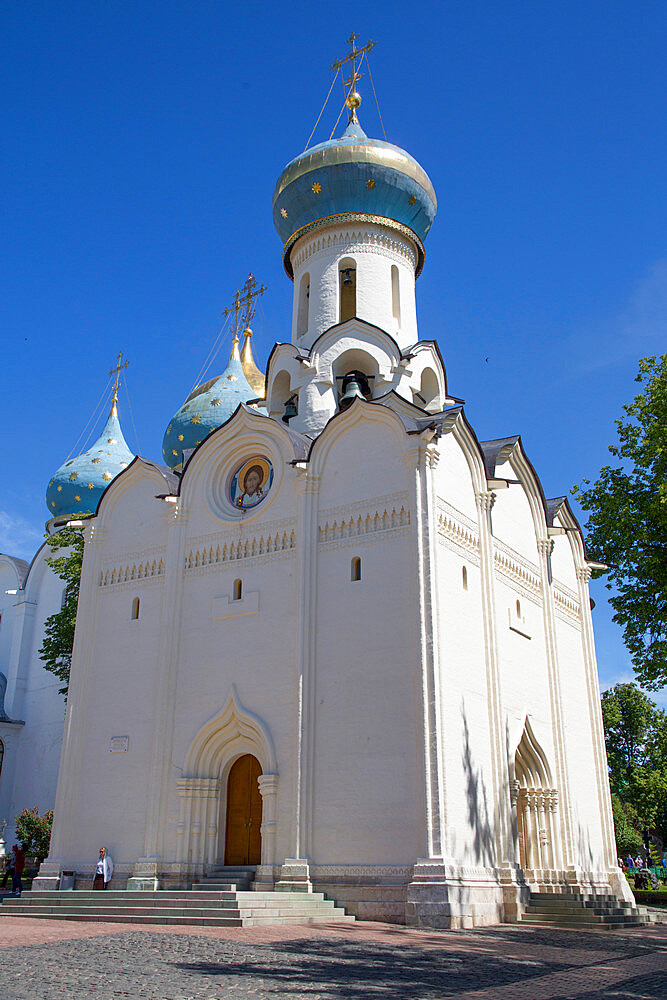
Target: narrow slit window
395,295
355,574
2,754
237,590
464,578
347,277
304,298
518,609
135,609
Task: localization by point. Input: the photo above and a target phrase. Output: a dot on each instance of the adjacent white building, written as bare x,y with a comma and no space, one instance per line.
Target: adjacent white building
338,637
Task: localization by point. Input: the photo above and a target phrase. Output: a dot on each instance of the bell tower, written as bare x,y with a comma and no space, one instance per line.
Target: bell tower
353,213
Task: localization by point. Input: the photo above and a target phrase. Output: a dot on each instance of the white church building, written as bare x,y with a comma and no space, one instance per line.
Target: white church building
336,636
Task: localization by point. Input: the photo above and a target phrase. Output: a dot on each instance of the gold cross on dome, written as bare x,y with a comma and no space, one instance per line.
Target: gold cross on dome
352,57
116,371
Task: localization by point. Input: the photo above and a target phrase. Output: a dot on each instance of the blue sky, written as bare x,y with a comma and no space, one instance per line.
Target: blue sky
141,144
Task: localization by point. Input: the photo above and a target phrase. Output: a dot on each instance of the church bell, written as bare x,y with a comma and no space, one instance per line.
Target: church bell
355,385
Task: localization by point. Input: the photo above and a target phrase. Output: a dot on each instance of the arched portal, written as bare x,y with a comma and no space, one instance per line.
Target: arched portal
536,803
243,822
230,737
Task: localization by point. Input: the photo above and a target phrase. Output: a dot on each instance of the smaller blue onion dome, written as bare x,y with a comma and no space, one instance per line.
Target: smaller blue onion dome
207,407
78,485
353,177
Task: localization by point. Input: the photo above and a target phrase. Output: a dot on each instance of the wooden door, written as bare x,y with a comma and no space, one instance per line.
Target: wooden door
243,842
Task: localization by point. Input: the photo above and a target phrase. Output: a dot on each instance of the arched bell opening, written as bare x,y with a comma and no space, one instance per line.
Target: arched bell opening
428,394
347,289
536,802
355,373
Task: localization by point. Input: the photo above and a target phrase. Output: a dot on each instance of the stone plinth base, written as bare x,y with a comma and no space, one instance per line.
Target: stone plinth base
142,884
450,897
46,883
294,876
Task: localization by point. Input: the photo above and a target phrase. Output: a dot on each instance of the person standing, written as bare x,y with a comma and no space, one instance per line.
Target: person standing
103,870
19,868
9,868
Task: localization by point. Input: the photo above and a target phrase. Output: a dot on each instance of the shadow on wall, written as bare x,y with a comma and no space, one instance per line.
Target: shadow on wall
482,825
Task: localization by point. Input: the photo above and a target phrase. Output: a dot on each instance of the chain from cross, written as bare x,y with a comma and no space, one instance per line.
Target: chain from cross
352,57
244,301
116,371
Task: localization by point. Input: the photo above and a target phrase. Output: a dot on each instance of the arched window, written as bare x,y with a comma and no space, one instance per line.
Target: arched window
2,754
347,283
135,609
355,569
464,578
395,295
302,311
237,590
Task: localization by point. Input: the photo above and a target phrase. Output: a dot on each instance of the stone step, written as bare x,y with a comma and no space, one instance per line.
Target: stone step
565,910
158,913
189,921
158,894
213,885
601,924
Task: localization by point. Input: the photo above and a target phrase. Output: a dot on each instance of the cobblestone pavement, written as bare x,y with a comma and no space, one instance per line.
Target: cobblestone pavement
63,960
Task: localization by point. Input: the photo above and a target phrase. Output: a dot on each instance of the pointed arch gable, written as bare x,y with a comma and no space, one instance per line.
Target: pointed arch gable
529,762
233,729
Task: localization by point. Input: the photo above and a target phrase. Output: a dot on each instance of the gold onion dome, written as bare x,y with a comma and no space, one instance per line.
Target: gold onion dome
250,369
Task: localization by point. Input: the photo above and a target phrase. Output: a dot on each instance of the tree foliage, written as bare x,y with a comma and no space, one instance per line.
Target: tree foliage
35,832
636,738
627,527
56,650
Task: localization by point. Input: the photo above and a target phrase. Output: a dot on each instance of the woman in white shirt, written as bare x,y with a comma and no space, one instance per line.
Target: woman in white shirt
103,871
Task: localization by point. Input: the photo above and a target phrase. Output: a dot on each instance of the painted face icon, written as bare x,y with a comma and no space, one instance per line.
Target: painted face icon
252,482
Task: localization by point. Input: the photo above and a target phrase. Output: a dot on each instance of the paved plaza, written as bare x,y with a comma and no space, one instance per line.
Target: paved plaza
59,960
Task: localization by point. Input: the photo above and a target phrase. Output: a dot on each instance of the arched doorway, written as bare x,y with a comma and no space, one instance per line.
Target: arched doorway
243,839
536,803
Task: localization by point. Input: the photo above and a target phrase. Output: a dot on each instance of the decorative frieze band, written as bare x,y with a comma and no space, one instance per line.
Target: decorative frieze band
148,569
357,242
566,604
241,548
381,519
457,531
521,574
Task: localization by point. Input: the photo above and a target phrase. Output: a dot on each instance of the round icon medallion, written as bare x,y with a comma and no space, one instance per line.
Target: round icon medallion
250,483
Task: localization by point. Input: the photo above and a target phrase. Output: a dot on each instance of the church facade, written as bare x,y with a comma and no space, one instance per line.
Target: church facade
336,636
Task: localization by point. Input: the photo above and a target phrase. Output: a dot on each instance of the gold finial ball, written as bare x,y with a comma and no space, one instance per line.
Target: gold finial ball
353,100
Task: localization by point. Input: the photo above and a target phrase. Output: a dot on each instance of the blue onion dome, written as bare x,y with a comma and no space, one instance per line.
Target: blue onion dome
78,485
353,178
207,407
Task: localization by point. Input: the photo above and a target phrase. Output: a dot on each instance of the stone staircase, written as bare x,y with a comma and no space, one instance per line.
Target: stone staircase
574,909
223,900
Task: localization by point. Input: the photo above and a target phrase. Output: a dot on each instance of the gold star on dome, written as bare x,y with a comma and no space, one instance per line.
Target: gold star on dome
232,378
60,489
96,461
91,486
53,503
169,428
180,437
73,476
123,465
370,184
197,442
111,441
196,419
216,401
317,187
174,452
107,476
283,212
411,200
78,499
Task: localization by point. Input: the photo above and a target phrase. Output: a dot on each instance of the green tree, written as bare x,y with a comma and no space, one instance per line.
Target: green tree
626,825
56,650
35,831
627,527
636,739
